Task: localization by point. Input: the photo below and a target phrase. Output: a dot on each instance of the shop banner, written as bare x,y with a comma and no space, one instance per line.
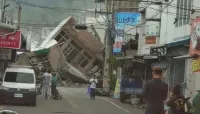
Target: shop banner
10,40
195,37
117,89
196,65
121,20
119,37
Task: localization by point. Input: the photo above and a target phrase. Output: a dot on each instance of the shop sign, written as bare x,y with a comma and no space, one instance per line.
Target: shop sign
195,37
128,18
11,40
150,40
121,20
152,28
196,65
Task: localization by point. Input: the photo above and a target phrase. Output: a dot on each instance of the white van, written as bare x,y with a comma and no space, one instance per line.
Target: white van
19,85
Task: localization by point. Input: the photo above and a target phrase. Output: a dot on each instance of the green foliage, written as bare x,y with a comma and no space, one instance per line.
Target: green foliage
113,79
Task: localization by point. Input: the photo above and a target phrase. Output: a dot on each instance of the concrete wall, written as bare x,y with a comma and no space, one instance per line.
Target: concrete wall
169,32
149,28
55,57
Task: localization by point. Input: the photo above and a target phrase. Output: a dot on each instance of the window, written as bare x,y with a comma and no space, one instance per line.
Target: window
76,45
19,77
62,33
58,37
61,42
72,55
67,49
87,55
84,63
66,37
183,12
80,59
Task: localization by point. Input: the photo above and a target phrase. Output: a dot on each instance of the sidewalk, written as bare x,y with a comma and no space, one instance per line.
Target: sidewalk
126,106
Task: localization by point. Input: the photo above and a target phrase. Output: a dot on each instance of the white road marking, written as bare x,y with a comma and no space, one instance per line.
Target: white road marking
70,100
115,105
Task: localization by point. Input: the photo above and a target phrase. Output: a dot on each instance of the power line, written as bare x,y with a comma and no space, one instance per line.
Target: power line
151,17
57,9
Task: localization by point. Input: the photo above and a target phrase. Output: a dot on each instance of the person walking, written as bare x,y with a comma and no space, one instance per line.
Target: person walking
47,84
93,84
155,93
54,80
176,101
196,102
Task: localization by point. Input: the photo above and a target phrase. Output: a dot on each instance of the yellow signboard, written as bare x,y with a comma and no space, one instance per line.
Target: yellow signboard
196,65
117,88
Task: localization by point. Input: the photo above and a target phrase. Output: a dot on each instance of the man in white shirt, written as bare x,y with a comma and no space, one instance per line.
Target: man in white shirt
47,84
93,84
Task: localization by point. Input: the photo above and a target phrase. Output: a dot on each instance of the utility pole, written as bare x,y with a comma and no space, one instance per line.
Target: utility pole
3,10
110,27
19,16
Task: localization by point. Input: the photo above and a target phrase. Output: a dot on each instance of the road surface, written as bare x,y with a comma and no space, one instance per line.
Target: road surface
76,101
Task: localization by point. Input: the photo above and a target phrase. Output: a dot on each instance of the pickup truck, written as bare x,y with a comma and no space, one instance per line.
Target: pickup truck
130,87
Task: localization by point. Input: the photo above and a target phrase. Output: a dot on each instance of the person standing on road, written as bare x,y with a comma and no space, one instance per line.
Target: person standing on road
54,80
47,84
93,84
177,102
155,93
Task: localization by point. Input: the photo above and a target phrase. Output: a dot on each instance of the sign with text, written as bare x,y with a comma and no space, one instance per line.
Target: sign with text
152,28
196,65
150,40
10,40
195,37
122,19
119,37
128,18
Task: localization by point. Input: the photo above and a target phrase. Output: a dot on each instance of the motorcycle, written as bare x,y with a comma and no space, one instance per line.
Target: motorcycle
39,89
8,112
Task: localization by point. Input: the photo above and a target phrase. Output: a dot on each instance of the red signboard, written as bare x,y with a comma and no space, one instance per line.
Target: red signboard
10,40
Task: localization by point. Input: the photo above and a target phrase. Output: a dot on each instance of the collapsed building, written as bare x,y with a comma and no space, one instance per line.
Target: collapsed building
73,53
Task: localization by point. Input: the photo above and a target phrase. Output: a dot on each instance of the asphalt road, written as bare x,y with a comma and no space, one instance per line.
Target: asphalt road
76,101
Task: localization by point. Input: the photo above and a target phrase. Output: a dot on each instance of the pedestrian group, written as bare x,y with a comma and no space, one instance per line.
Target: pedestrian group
156,93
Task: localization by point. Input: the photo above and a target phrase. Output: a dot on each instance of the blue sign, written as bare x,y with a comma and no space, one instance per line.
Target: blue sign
128,18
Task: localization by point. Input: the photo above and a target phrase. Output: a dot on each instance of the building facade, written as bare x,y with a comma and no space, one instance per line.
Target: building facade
173,34
79,48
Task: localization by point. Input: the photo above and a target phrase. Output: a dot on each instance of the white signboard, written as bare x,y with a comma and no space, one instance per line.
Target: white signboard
145,50
152,28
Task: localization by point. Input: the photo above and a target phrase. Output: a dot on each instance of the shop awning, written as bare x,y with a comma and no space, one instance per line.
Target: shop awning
182,57
42,51
178,43
124,57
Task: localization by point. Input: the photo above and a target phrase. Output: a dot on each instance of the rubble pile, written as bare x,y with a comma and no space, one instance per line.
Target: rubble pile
69,83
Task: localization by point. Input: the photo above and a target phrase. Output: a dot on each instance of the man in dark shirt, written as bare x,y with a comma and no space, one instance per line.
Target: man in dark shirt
155,93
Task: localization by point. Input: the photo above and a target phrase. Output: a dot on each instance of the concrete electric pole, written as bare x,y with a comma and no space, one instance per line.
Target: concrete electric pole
19,16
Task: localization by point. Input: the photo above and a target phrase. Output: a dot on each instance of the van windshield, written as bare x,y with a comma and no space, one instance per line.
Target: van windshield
19,77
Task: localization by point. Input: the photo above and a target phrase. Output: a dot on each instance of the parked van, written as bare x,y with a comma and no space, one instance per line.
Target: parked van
19,85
